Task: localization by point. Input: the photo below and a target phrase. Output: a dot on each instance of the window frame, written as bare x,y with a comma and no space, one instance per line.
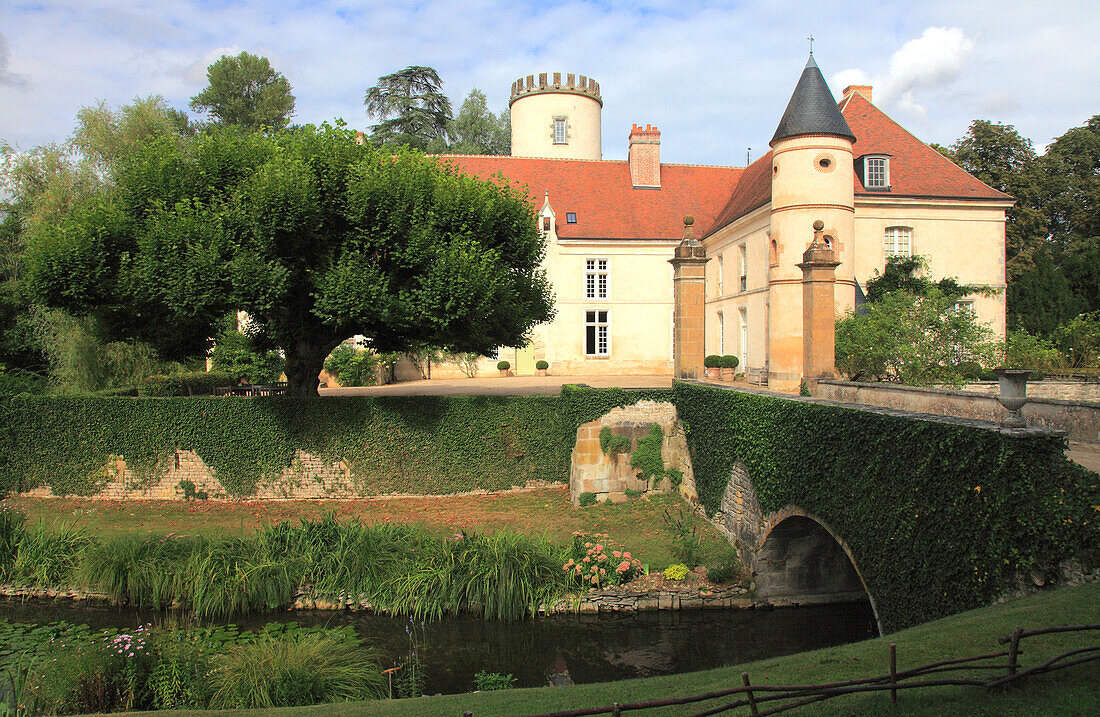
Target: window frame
560,130
597,324
869,172
600,269
890,237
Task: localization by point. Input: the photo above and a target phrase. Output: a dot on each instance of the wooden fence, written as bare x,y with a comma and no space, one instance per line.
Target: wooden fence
1001,668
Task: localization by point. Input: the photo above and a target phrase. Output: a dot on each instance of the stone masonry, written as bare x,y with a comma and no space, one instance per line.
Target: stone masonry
593,471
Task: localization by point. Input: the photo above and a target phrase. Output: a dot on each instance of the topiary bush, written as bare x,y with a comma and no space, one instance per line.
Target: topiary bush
541,365
503,365
586,499
729,361
712,361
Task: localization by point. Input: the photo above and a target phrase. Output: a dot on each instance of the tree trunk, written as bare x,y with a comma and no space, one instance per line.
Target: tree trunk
304,362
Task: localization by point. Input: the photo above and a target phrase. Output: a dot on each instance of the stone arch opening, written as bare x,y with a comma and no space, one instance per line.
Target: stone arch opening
800,560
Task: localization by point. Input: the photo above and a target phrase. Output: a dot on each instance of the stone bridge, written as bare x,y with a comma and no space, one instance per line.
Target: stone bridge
795,558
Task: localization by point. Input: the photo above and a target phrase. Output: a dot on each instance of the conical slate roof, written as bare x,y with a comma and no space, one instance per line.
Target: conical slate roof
812,109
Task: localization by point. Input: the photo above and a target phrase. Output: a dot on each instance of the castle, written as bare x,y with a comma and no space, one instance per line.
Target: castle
612,227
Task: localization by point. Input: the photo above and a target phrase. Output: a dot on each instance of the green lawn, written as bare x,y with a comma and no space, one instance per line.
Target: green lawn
1075,691
638,524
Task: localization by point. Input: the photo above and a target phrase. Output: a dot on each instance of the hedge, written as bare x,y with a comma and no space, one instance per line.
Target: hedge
417,444
940,516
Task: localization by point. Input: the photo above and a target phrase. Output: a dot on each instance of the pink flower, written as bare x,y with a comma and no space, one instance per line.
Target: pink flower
603,557
598,547
588,560
616,553
602,572
623,567
588,545
626,555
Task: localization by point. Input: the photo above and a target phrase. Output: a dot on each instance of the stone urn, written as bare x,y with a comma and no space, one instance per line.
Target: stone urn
1013,394
728,373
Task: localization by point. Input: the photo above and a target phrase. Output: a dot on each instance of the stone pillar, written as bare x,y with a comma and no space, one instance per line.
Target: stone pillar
818,308
689,294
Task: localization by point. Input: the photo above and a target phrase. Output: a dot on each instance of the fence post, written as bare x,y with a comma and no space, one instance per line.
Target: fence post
748,694
468,713
616,710
893,673
1014,650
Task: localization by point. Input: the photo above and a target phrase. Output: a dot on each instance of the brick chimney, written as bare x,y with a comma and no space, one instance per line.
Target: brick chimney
864,90
645,157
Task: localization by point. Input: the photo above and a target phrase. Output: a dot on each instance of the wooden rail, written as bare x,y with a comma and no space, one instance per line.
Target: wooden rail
760,699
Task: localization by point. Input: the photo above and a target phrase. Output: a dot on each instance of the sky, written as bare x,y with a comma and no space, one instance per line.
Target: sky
713,76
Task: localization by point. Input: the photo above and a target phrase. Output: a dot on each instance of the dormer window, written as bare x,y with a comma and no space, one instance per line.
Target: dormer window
570,217
876,172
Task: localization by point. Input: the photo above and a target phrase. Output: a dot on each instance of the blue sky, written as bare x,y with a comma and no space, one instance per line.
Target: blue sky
713,76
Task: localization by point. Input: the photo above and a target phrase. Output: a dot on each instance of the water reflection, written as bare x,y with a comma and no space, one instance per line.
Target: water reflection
560,650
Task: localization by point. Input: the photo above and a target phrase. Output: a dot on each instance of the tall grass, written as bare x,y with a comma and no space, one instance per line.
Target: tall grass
288,672
48,556
401,569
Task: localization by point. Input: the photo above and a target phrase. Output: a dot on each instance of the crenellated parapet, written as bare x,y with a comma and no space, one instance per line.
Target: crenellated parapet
553,82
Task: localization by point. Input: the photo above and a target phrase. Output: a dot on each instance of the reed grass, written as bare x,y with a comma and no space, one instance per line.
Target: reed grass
48,556
281,672
146,571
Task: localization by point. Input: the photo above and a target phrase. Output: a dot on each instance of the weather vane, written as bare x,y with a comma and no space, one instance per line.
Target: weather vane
811,39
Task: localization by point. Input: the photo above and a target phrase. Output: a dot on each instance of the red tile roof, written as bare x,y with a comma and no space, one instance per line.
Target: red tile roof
601,195
916,170
753,191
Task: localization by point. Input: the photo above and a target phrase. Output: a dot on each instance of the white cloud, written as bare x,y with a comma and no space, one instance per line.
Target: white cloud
195,73
11,79
931,61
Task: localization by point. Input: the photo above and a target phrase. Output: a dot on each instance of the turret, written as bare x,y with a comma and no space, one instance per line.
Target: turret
812,180
557,116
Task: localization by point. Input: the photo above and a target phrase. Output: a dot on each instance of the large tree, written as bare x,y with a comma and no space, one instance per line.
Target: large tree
245,91
316,235
476,130
411,108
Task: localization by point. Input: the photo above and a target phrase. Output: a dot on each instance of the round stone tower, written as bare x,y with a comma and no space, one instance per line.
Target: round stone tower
556,118
812,180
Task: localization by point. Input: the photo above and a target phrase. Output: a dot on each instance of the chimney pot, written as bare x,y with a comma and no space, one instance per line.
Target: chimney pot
645,157
864,90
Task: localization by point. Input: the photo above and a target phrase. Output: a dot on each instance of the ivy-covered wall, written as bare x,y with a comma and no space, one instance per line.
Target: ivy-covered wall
407,444
939,515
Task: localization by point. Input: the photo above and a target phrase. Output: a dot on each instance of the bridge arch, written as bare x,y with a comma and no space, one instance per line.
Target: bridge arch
794,555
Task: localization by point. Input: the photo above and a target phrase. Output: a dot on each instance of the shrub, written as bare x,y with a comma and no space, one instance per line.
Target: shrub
646,458
503,365
492,681
1022,350
596,562
244,355
676,572
541,365
712,361
686,545
16,380
352,366
194,383
729,361
803,389
290,671
725,567
586,499
613,445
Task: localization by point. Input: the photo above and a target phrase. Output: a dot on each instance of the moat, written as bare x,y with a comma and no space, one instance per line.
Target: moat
560,650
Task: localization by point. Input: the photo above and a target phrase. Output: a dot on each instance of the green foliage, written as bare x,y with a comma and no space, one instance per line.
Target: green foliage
241,356
803,389
541,365
490,681
189,492
729,361
194,383
12,522
316,235
939,516
613,445
352,366
586,499
915,340
646,458
47,556
245,91
712,361
503,365
676,572
1023,350
1079,341
475,130
725,567
282,672
15,381
411,108
686,545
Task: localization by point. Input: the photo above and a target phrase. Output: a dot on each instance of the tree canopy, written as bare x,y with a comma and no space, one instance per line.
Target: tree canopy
411,108
316,235
244,90
476,130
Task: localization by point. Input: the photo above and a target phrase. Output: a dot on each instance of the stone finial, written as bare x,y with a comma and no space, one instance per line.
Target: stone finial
690,247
